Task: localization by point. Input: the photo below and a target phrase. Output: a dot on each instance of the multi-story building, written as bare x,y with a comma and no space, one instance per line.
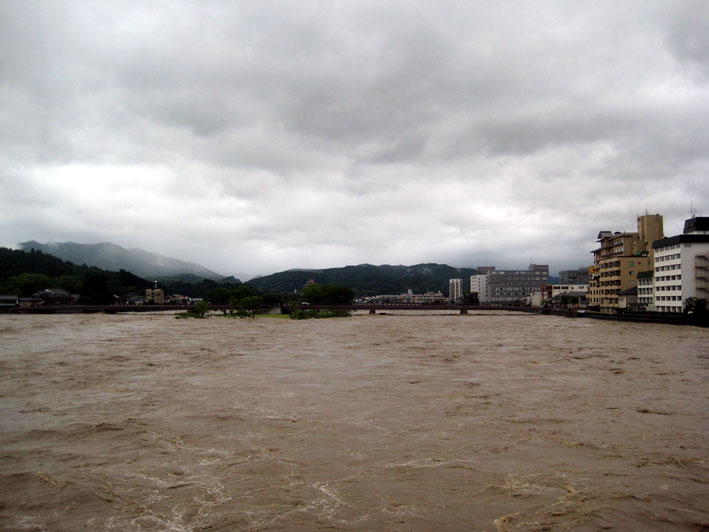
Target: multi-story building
155,295
455,290
619,259
577,277
646,292
508,287
478,285
681,266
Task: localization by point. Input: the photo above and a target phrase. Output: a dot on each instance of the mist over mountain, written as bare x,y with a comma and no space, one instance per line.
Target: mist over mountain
369,280
112,257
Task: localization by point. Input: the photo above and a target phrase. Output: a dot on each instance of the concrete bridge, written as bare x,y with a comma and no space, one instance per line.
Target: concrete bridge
371,308
382,307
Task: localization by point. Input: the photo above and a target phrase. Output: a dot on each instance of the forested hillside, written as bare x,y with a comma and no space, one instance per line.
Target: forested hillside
368,280
23,273
26,272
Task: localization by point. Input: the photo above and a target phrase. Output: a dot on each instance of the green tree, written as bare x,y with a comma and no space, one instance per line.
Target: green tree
241,291
339,295
95,289
271,298
317,294
27,284
200,309
314,294
251,304
696,306
219,296
70,283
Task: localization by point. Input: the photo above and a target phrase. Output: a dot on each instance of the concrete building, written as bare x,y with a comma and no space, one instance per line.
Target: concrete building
9,301
646,291
618,260
509,287
455,290
155,296
579,276
628,299
561,289
427,298
478,285
681,266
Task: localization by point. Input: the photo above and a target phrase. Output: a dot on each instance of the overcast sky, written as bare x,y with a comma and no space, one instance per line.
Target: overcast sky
257,136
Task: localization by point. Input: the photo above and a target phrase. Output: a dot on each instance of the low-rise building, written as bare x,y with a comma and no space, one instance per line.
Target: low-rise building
628,299
56,296
560,289
9,301
427,298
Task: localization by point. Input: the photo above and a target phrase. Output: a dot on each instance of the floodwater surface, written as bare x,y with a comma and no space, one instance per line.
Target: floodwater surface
410,422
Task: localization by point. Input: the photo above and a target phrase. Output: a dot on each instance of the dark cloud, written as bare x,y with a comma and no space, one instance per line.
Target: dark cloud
269,135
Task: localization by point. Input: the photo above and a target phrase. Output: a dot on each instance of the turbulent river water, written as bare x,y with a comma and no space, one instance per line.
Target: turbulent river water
485,422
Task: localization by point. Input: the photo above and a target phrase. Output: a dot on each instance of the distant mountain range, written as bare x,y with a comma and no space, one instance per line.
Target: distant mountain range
368,280
109,256
364,279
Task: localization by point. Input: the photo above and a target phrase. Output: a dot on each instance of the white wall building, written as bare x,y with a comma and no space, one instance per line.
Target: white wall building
559,289
682,266
455,290
478,285
646,292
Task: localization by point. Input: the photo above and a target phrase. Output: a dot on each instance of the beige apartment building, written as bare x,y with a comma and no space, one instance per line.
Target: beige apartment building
619,259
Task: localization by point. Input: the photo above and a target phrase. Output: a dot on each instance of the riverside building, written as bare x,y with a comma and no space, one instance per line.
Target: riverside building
681,266
478,285
577,277
155,295
618,260
455,290
510,287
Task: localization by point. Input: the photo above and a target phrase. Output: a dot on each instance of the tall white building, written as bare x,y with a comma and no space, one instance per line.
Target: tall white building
682,266
455,290
478,285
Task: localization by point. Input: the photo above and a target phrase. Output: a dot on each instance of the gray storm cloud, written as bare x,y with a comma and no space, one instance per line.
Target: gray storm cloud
255,137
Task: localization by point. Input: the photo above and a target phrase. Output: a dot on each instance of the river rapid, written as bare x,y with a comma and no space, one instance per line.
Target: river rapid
410,422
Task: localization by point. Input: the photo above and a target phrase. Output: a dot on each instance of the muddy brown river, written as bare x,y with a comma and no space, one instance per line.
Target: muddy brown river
409,422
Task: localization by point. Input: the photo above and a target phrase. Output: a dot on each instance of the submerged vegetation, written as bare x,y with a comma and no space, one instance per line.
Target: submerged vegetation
303,314
200,310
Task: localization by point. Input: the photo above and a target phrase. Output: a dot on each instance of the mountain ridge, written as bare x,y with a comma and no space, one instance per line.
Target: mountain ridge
368,279
109,256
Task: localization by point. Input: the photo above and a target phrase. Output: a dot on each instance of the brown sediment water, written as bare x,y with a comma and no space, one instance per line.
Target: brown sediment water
485,422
